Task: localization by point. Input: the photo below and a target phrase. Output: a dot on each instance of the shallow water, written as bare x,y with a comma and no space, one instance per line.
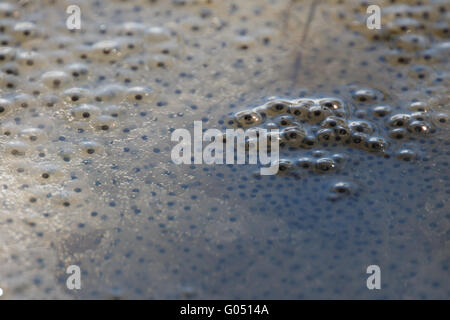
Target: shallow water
87,177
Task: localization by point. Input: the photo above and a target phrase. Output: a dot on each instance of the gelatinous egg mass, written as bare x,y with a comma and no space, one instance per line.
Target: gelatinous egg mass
86,117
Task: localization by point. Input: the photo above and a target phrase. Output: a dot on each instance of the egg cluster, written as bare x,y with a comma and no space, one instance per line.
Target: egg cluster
46,86
85,123
311,123
416,33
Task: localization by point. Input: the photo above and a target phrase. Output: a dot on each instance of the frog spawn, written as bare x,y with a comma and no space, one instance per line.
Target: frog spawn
309,124
59,85
71,150
416,34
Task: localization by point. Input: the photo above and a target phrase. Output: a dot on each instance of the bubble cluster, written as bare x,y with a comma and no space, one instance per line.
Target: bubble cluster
312,123
416,34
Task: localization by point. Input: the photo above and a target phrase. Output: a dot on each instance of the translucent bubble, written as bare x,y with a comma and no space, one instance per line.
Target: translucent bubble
361,126
285,121
244,42
106,50
381,111
420,116
157,34
324,165
441,119
114,111
359,139
412,42
333,122
318,113
309,142
399,120
30,60
420,72
341,133
90,148
332,103
284,166
171,48
77,95
398,133
305,163
85,112
6,106
160,61
248,118
8,10
16,148
293,136
9,129
340,189
7,54
131,29
33,135
406,155
78,70
23,101
402,25
276,107
419,127
139,94
104,123
419,106
367,95
25,31
55,79
399,57
325,135
48,173
376,144
112,92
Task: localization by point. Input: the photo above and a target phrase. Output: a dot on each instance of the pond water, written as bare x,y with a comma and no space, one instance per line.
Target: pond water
87,179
